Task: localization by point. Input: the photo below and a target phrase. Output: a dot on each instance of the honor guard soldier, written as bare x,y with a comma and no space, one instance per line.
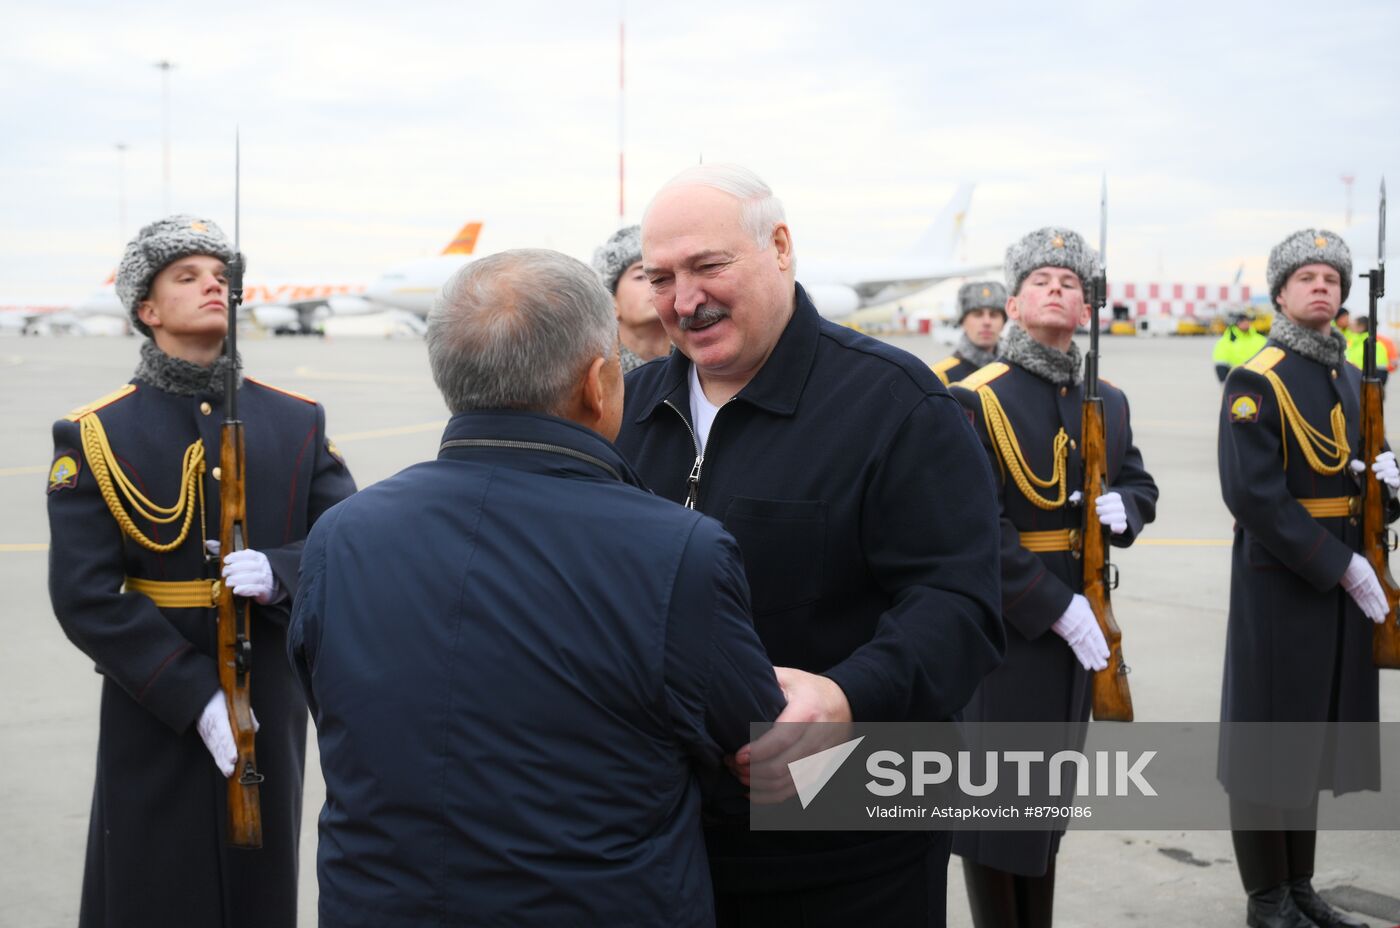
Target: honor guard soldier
1027,408
1237,345
981,315
133,496
619,263
1302,599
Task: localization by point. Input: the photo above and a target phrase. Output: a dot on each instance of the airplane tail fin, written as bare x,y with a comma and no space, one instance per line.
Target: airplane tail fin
464,242
941,239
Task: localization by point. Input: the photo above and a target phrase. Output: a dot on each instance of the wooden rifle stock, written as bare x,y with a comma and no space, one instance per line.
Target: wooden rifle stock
235,648
1113,700
1385,646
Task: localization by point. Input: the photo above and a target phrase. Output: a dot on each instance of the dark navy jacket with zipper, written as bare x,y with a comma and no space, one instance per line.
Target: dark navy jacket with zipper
517,661
865,512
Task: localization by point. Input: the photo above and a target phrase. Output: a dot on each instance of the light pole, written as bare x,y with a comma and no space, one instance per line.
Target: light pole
165,67
121,190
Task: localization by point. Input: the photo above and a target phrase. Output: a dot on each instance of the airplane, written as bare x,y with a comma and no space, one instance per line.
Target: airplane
838,290
413,285
275,306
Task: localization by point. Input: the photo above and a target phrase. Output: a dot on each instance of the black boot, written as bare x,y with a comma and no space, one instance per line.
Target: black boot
1315,907
1274,908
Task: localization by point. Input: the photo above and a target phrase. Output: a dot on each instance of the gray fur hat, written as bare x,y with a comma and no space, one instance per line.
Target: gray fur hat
156,246
980,294
1051,246
1308,246
619,253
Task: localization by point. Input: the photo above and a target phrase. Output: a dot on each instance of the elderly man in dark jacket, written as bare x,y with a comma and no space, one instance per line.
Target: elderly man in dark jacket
1302,598
516,658
863,508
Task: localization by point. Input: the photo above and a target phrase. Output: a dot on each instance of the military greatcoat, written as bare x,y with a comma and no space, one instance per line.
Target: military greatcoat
157,854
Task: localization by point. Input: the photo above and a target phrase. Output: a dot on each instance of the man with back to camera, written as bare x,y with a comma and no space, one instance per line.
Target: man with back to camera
133,583
1302,597
517,659
981,316
619,263
864,511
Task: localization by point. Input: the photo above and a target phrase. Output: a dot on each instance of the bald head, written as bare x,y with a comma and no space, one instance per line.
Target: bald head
721,270
515,330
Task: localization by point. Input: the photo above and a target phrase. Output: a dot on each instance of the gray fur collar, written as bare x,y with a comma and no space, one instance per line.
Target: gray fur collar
1059,367
1326,349
978,357
181,378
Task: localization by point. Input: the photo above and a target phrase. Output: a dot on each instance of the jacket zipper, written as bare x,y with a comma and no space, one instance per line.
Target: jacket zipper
692,493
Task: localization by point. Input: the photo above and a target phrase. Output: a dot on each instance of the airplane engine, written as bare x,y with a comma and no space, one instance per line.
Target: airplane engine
273,317
833,301
350,306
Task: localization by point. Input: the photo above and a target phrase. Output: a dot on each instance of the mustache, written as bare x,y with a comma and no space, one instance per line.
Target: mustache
707,314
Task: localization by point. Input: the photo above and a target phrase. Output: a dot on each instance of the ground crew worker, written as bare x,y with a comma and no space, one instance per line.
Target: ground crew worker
1302,600
133,495
1027,409
1237,345
1356,348
981,315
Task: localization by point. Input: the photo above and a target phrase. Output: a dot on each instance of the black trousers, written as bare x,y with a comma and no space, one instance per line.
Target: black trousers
1269,858
915,896
999,899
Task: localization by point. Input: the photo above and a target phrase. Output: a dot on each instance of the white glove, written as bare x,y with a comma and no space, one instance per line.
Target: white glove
1362,586
1080,629
249,574
1112,512
217,734
1386,470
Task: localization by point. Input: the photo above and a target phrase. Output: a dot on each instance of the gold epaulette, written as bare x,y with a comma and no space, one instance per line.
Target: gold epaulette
95,405
1266,360
984,375
943,367
292,393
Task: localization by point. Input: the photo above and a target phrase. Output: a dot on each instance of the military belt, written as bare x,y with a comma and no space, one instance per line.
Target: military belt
177,594
1332,507
1064,539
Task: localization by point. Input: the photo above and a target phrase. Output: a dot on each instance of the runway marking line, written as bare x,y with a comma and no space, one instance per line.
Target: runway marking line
19,548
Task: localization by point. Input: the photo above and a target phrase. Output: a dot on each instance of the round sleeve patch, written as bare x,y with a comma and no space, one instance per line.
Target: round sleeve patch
63,475
1244,407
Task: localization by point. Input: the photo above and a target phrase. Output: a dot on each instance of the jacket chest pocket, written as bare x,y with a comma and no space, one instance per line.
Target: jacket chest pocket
784,545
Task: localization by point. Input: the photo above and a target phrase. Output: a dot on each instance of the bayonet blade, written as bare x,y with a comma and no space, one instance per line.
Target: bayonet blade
1103,222
1381,234
237,157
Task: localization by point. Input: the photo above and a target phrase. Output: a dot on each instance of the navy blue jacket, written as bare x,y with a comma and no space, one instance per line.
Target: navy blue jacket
517,660
868,521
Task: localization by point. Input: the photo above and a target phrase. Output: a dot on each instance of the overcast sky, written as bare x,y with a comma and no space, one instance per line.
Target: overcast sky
372,131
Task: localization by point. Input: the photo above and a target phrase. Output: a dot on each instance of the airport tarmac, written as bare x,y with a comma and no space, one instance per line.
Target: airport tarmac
384,413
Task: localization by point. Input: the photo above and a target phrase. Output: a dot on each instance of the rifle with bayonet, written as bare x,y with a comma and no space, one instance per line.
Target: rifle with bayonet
235,646
1385,646
1112,700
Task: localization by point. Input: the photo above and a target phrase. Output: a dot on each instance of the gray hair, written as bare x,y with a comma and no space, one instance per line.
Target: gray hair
514,330
759,211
